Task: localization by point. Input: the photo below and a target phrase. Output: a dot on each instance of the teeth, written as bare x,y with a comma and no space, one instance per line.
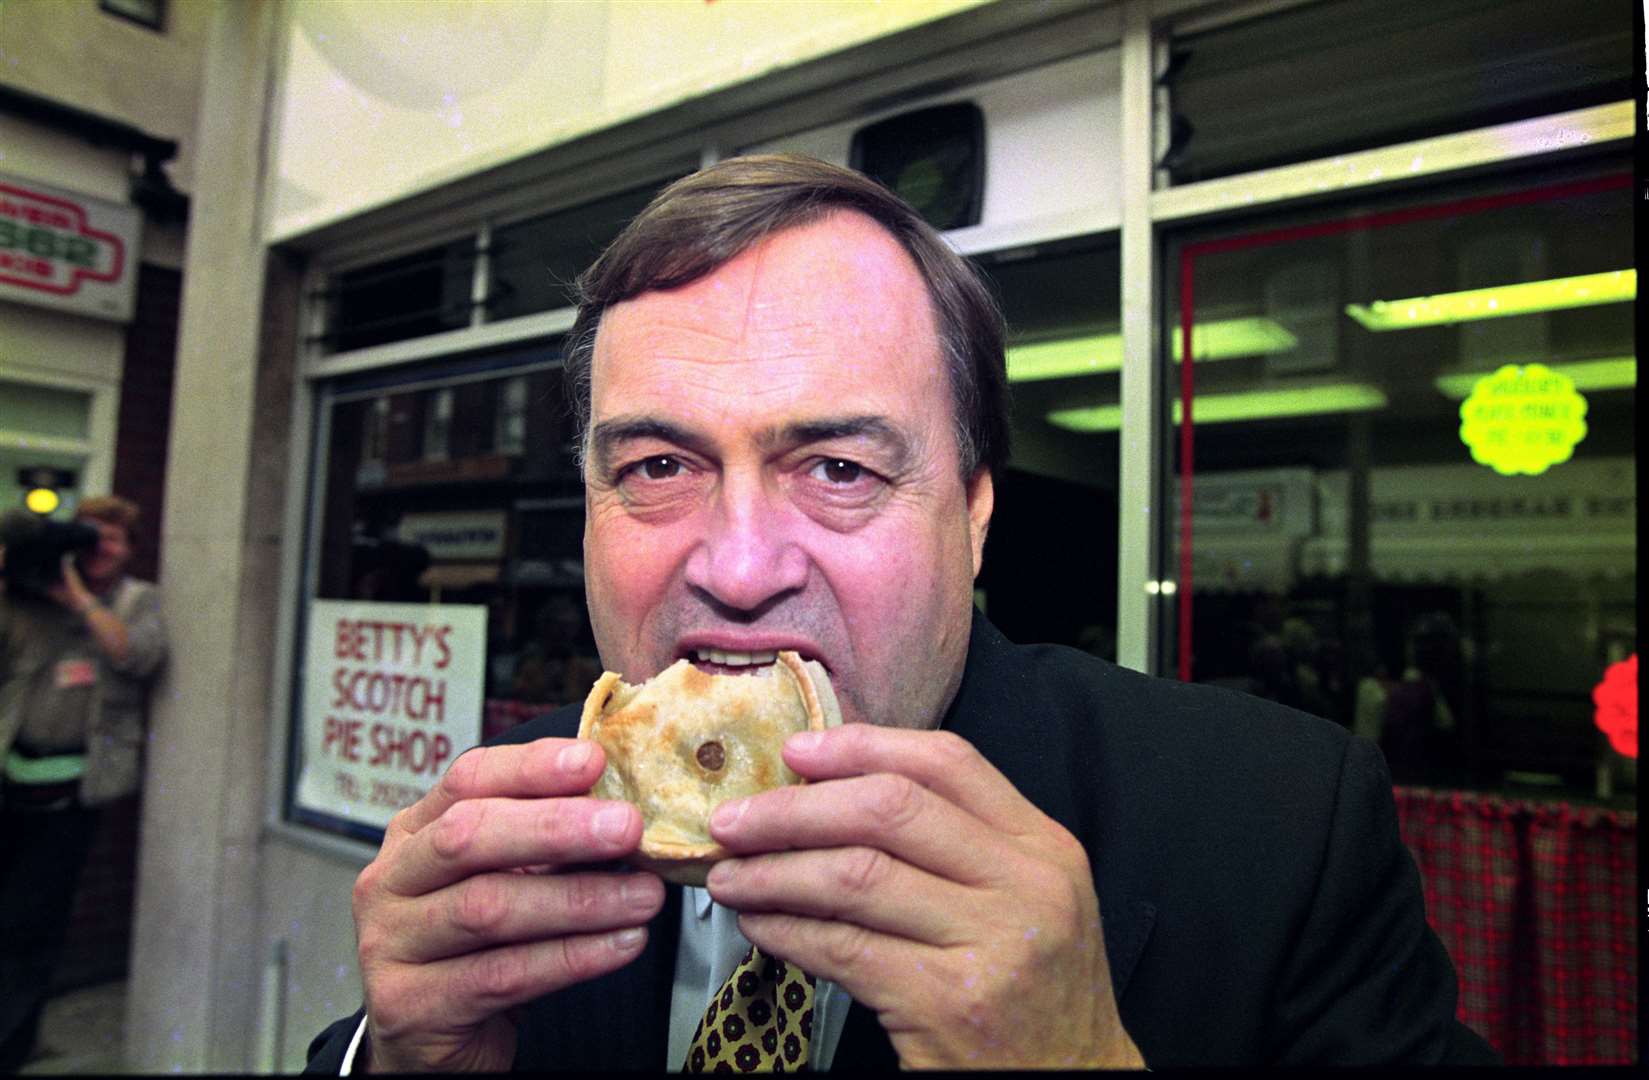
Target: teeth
734,659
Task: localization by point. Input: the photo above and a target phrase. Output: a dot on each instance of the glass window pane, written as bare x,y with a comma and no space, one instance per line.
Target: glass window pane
29,408
1412,69
497,521
1414,506
1050,558
534,262
409,296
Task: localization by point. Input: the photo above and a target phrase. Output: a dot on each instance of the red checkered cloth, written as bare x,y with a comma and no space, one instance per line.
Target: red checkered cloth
1534,902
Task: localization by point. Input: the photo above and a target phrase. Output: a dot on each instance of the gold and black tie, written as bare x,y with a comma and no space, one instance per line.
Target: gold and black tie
761,1020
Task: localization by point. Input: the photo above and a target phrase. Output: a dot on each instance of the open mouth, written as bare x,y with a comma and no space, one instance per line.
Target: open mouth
735,662
728,662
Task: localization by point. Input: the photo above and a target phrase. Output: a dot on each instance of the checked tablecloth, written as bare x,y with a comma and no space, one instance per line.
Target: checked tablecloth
1536,904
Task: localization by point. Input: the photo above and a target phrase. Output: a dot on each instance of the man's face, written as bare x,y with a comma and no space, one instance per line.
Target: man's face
772,464
108,559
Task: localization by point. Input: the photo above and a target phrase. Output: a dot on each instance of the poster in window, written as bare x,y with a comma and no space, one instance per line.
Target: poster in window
391,695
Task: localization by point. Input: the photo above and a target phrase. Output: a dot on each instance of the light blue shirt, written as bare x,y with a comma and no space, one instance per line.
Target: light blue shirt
711,947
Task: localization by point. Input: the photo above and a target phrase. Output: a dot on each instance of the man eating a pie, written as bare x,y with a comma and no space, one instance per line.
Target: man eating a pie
792,401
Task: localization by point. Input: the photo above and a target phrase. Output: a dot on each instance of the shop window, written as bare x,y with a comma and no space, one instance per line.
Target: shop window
409,296
512,415
1410,69
42,427
535,262
1353,547
45,411
451,490
1050,558
437,424
374,442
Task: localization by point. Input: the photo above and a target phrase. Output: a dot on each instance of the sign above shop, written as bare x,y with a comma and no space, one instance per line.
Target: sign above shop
63,250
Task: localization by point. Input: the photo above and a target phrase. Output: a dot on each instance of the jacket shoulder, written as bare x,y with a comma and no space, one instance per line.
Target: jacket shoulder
561,723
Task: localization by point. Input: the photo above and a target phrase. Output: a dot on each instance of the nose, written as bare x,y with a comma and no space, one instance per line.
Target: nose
747,558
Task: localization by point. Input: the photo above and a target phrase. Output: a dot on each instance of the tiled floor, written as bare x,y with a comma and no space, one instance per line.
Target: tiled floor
82,1031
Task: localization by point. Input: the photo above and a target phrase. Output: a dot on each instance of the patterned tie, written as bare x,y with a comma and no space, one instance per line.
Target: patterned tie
760,1020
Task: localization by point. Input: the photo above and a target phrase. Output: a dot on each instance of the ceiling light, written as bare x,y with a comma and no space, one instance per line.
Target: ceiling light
1222,339
1618,373
1612,287
1243,405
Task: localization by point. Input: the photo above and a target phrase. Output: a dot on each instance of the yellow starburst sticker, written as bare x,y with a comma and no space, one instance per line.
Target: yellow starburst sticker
1523,419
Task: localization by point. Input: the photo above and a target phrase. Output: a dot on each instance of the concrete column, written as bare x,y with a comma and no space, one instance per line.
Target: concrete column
195,962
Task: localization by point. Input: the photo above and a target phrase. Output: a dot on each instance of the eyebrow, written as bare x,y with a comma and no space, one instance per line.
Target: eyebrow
803,432
607,435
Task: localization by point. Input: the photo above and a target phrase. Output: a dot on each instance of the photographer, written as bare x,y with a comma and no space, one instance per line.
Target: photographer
79,643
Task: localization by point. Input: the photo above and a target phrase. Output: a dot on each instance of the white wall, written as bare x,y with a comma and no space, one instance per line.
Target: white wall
71,51
380,99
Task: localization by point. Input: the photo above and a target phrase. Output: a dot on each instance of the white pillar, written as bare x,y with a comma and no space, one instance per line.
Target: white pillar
192,1002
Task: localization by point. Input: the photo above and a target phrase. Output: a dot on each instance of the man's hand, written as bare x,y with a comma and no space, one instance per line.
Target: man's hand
920,880
475,904
70,589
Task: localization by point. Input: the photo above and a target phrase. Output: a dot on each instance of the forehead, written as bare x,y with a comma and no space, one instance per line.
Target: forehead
840,290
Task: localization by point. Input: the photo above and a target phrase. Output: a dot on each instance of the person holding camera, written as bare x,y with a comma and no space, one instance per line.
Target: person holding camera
80,641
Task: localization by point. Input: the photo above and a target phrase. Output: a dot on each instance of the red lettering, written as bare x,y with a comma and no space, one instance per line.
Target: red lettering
412,750
446,651
344,647
415,697
434,699
342,737
442,751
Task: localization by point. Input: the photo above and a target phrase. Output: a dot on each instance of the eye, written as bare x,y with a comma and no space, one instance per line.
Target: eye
838,471
659,467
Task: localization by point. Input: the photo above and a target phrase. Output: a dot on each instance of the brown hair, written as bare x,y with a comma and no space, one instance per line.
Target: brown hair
702,221
112,510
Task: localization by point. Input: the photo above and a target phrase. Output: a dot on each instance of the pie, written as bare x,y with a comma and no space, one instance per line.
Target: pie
684,741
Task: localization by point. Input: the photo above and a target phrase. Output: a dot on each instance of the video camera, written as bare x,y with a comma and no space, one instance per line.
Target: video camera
35,547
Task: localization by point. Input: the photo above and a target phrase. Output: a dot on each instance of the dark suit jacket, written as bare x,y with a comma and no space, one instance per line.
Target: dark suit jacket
1258,905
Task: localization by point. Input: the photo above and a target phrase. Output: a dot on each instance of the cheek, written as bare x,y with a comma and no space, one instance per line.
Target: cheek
626,568
893,586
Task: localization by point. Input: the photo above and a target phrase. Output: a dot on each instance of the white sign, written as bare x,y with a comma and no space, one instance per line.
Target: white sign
59,249
391,695
1268,502
455,534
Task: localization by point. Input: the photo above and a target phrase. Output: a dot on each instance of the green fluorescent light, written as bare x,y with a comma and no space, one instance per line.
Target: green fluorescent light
1619,373
1245,405
1612,287
1222,339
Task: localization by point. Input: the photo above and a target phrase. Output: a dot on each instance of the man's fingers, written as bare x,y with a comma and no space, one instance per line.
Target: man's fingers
480,835
877,970
886,811
940,761
542,769
857,885
495,909
464,991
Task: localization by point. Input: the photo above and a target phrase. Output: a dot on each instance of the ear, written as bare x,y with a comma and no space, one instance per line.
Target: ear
981,501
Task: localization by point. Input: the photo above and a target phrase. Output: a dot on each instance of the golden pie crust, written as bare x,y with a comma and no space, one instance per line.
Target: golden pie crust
685,741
